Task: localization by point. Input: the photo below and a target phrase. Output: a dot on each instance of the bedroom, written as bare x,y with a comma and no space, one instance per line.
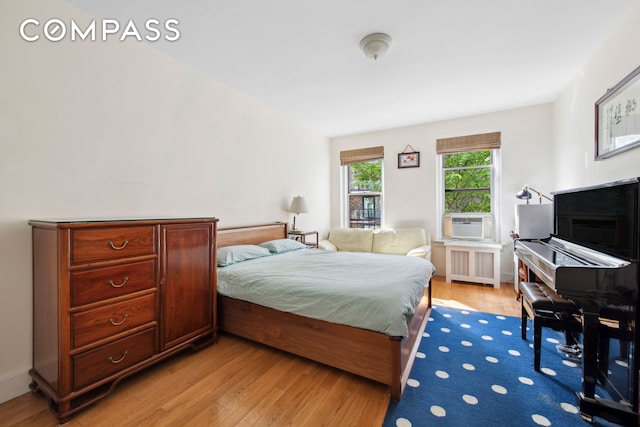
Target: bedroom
111,129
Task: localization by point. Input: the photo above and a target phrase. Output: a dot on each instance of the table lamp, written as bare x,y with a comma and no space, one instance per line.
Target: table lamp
298,206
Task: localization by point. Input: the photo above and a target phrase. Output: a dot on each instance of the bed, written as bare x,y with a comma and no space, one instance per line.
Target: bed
385,355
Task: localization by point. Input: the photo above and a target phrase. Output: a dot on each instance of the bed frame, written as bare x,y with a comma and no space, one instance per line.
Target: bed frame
359,351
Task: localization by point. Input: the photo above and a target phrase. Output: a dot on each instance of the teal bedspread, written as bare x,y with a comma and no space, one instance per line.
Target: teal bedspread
366,290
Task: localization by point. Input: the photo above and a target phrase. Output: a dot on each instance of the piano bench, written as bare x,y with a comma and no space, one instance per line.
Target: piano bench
547,309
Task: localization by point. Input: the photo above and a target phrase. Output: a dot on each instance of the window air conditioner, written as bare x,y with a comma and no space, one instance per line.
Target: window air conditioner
467,226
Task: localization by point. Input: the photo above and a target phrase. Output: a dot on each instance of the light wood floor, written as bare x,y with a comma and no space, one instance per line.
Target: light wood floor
239,383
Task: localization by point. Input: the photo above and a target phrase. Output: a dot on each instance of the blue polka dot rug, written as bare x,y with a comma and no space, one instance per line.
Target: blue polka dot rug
474,369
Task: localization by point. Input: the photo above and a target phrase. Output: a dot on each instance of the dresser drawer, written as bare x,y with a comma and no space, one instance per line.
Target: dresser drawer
102,322
103,283
109,359
89,245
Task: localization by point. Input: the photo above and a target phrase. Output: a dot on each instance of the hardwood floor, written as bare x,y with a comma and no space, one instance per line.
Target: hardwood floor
477,297
237,382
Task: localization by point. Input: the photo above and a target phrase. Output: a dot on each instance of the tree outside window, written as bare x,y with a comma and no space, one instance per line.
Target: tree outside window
467,182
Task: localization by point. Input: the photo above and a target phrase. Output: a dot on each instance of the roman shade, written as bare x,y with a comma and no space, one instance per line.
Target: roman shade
458,144
348,157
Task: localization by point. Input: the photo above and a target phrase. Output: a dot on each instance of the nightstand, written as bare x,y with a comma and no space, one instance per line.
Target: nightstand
304,237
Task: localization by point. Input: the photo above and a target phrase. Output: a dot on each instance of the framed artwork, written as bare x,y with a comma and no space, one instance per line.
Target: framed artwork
409,159
617,118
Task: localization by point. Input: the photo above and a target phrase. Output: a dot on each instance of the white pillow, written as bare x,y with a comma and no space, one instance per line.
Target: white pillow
279,246
231,254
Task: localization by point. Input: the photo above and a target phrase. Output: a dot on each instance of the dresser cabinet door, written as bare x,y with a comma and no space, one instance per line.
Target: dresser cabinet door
187,282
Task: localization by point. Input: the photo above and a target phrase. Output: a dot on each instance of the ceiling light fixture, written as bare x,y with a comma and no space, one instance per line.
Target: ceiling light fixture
375,45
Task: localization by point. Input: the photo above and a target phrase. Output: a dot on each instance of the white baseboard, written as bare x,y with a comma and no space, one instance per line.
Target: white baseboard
14,385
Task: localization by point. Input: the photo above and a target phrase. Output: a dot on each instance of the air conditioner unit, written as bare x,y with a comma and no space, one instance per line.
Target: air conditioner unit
467,226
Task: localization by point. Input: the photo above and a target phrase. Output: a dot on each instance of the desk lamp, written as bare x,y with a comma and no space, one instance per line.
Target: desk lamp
524,194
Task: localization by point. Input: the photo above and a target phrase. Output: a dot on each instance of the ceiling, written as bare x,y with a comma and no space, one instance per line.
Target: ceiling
448,59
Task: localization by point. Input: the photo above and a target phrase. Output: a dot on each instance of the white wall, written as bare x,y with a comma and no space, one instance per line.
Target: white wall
574,123
112,129
550,147
410,194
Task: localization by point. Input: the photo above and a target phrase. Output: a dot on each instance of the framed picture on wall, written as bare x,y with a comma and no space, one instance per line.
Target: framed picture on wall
617,118
409,160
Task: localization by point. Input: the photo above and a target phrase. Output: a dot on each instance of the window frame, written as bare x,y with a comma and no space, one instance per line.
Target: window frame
345,176
488,166
495,171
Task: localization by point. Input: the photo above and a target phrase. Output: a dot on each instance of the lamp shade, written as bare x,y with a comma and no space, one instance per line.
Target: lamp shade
298,205
523,194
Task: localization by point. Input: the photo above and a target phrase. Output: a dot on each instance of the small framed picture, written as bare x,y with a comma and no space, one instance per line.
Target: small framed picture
409,160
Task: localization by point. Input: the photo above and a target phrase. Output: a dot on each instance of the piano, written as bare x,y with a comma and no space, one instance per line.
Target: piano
592,259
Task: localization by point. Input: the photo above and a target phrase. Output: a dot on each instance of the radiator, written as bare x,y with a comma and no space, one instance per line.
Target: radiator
469,262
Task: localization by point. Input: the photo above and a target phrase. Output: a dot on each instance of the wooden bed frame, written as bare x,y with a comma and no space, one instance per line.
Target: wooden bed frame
359,351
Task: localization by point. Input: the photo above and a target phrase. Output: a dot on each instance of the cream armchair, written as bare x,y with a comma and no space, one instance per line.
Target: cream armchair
401,241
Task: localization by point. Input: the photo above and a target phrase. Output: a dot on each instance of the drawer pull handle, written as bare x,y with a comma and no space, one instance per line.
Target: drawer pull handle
110,359
124,317
124,280
117,248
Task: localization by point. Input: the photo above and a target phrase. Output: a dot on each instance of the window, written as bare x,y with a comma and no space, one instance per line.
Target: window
365,194
467,181
362,173
469,174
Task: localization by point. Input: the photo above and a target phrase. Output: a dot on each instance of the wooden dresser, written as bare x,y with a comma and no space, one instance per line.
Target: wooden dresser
113,297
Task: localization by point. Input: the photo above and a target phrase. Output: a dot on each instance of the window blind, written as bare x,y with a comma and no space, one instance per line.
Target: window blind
458,144
348,157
